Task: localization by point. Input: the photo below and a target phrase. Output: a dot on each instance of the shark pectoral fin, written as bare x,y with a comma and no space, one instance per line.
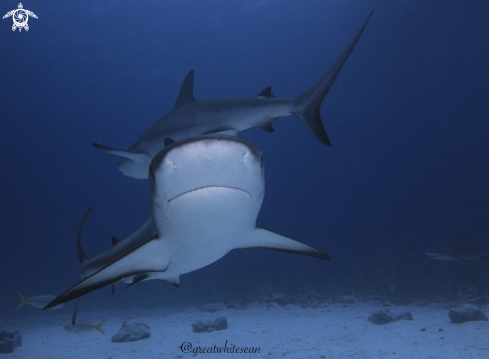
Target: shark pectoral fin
149,257
186,94
263,238
230,132
136,157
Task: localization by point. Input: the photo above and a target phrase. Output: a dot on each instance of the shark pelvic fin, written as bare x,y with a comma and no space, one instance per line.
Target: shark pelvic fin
309,102
186,94
263,238
136,157
267,93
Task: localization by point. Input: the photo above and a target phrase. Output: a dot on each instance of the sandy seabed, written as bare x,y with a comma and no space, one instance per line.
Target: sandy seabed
337,331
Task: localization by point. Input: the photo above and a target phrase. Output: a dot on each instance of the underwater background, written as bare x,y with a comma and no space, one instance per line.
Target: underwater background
408,118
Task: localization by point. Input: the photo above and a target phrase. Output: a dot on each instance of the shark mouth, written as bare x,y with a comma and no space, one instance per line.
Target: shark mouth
206,187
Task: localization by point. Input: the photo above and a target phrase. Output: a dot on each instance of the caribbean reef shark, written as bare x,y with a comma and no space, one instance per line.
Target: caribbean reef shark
228,116
205,195
460,249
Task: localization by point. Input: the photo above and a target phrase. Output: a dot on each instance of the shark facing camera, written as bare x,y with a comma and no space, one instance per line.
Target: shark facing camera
205,195
206,187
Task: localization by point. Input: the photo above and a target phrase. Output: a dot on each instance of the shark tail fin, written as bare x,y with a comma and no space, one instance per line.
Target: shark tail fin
23,301
309,102
263,238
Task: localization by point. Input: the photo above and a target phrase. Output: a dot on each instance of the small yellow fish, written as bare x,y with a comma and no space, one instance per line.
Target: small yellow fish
82,328
39,301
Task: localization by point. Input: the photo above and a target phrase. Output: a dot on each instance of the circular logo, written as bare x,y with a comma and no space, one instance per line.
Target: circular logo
20,17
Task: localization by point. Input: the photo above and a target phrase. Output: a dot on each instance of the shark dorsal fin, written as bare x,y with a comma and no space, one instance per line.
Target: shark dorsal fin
267,93
82,257
114,241
186,94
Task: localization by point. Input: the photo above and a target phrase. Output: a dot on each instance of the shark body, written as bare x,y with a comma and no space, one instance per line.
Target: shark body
228,116
205,195
459,249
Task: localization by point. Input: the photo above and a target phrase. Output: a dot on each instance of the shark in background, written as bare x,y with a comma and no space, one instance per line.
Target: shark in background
459,249
205,193
192,117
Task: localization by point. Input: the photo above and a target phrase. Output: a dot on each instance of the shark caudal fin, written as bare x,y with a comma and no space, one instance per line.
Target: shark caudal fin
309,102
263,238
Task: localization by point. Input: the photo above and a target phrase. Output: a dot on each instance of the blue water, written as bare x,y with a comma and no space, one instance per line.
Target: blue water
407,116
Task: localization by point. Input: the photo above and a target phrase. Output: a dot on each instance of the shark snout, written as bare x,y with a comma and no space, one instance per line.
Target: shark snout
207,162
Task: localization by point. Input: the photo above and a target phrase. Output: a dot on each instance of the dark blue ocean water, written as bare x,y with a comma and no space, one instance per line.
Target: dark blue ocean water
408,118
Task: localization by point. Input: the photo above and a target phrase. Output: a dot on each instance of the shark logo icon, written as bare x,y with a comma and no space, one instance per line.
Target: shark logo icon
20,17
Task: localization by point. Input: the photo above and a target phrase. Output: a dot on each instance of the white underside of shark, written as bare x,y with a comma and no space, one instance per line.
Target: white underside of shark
206,193
228,116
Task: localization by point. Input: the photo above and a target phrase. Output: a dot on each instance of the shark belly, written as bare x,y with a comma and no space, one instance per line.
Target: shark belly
202,225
